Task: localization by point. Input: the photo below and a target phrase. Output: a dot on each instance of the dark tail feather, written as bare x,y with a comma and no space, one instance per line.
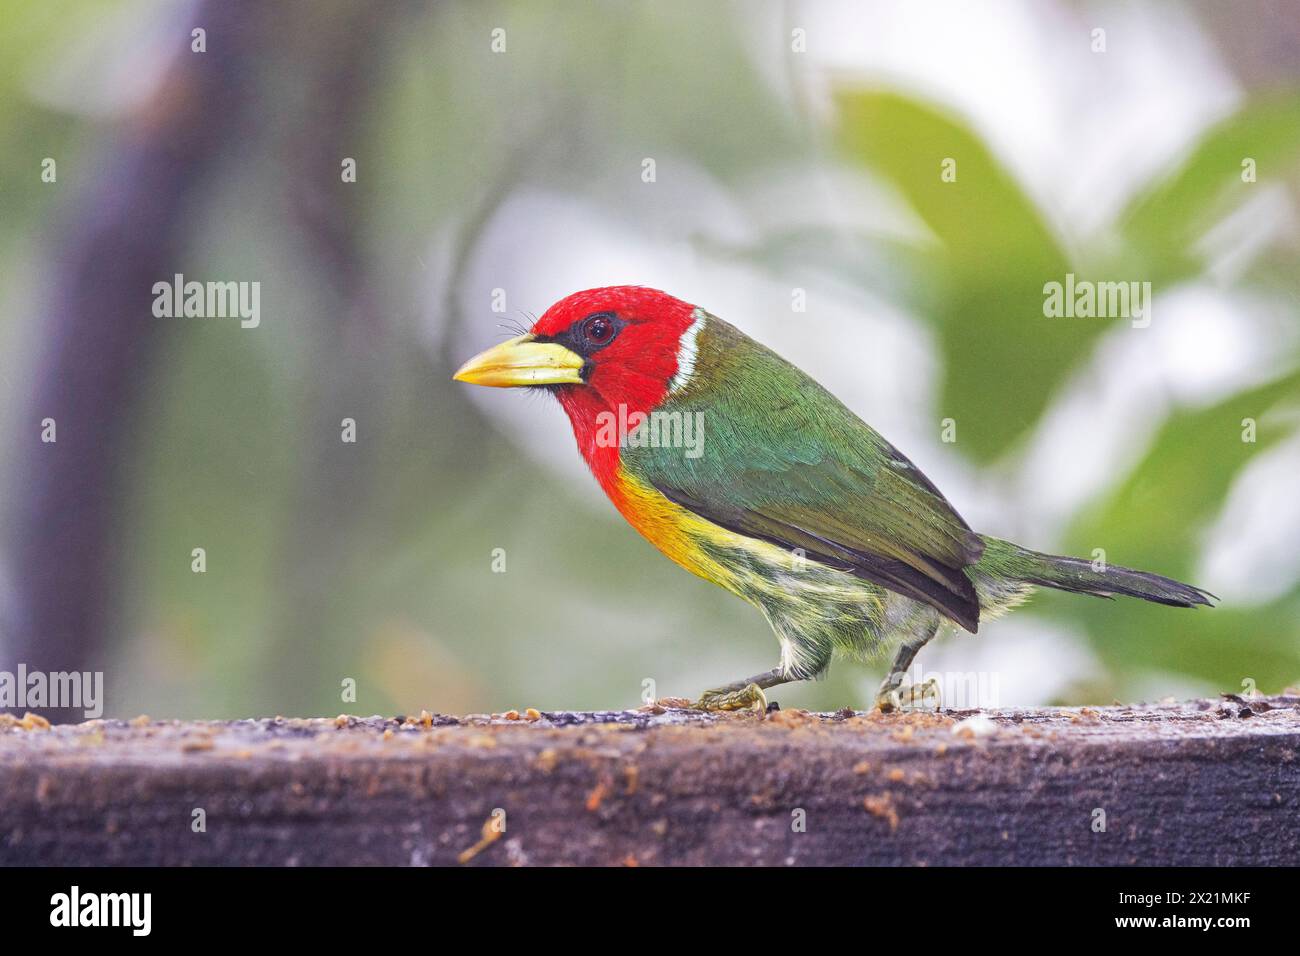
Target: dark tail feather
1075,574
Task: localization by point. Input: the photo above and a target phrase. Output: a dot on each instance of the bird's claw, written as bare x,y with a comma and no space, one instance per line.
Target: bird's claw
749,697
908,697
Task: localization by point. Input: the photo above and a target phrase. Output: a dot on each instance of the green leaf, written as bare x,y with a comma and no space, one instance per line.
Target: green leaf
1003,358
1162,224
1156,515
1154,520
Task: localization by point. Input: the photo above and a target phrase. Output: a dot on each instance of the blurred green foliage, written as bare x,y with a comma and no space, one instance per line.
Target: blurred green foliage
994,256
984,278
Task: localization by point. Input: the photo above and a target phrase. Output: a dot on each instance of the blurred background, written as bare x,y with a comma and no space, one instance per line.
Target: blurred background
499,154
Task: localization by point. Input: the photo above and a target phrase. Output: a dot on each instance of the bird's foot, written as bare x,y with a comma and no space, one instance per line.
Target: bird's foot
749,697
908,697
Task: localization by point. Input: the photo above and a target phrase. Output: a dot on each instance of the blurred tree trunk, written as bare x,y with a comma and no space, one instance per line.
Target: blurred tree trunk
127,229
123,231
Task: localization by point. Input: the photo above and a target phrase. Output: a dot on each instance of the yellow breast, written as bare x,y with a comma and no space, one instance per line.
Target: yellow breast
672,529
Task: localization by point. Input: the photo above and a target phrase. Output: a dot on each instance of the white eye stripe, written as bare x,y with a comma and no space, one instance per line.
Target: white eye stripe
686,353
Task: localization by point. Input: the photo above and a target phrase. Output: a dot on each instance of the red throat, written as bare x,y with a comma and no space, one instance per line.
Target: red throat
629,377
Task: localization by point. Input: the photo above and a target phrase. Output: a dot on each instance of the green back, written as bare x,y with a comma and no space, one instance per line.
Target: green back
783,460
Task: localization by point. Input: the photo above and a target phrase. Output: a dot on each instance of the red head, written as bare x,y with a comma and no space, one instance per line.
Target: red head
629,338
615,349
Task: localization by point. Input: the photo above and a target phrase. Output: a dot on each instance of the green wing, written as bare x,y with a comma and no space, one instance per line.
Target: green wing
781,459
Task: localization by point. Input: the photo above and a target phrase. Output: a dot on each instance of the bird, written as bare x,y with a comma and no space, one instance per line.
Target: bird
747,472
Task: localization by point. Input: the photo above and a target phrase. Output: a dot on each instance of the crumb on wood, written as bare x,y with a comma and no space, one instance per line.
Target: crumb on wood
791,718
597,795
546,760
882,805
905,724
977,725
32,721
490,833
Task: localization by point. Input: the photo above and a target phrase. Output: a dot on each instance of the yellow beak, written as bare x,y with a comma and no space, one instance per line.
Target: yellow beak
523,361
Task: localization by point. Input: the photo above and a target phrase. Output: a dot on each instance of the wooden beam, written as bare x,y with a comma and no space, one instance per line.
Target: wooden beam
1200,782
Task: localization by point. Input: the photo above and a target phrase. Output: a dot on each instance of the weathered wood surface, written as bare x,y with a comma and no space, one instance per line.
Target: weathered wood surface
1202,782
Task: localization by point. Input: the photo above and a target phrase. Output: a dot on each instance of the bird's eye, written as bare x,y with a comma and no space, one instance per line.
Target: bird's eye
598,329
